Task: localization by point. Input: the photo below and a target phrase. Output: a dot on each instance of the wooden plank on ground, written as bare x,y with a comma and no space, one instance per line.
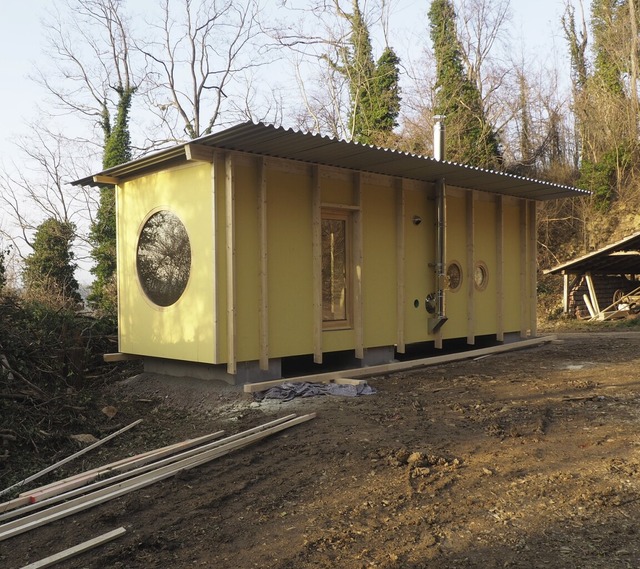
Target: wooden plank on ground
77,549
402,366
120,357
70,458
85,502
124,465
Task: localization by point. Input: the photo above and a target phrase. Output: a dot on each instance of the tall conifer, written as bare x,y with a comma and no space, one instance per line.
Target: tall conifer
470,136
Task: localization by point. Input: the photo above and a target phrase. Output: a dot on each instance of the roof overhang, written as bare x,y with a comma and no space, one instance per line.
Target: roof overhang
619,258
278,142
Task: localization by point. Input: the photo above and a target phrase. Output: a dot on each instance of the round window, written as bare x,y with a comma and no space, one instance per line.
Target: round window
481,276
163,258
454,276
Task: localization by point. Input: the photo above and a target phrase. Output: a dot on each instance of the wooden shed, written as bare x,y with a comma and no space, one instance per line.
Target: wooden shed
243,249
597,283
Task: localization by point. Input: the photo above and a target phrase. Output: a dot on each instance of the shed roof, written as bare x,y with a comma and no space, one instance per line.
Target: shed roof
620,258
279,142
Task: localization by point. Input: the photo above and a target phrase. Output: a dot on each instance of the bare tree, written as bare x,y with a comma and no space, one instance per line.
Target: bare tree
89,44
39,190
197,52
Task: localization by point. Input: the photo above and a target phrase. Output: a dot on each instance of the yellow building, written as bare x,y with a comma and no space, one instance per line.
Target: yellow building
242,249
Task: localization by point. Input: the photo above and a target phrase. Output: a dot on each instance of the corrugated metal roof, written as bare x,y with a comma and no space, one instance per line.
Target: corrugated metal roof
278,142
620,258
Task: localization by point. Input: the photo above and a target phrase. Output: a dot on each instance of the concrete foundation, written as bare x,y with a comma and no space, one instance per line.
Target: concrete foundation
247,372
378,356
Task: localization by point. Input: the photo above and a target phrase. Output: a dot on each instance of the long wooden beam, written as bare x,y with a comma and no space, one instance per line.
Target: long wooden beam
470,267
400,264
70,458
263,324
533,269
316,254
85,502
500,268
230,216
400,366
99,487
524,313
77,549
358,262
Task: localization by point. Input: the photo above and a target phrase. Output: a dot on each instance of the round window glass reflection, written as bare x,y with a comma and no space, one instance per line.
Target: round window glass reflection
454,276
163,258
481,276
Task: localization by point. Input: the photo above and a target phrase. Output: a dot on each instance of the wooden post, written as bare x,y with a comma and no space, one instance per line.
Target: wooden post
500,268
524,317
231,264
592,292
533,269
215,267
358,260
264,268
470,269
316,217
400,264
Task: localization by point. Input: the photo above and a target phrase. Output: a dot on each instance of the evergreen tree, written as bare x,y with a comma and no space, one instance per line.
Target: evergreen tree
373,86
49,270
117,150
470,137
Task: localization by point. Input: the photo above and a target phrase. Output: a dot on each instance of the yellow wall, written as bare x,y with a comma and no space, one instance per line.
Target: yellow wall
485,302
195,327
185,329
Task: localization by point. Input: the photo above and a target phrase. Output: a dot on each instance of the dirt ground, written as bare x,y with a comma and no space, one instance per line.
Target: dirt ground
525,459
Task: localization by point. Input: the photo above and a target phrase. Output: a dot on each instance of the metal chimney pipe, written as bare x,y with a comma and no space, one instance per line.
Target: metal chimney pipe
438,138
440,317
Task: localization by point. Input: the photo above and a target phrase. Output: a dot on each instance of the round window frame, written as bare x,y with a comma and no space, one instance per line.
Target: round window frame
456,264
482,266
149,294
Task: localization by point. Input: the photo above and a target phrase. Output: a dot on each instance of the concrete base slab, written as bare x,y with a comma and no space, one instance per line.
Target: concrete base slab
247,372
378,356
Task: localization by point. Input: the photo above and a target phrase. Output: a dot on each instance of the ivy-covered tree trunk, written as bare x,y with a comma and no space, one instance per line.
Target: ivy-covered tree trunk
117,150
373,86
470,137
49,271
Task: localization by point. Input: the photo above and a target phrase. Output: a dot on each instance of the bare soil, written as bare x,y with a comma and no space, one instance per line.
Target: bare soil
526,459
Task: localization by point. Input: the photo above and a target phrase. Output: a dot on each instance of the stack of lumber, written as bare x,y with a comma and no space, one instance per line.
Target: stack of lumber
78,493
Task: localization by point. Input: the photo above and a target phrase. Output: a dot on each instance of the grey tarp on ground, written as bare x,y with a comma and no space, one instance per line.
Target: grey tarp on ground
287,391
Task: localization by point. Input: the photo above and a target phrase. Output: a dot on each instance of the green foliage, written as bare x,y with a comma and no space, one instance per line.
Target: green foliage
373,86
470,137
49,270
117,150
3,268
601,177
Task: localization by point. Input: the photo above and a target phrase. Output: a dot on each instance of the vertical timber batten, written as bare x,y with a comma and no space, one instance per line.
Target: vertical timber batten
500,268
214,260
524,312
441,256
470,230
357,268
264,267
316,217
533,269
118,264
400,266
231,264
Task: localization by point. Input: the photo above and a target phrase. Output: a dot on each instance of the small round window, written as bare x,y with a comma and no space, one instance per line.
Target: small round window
454,276
163,258
480,276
